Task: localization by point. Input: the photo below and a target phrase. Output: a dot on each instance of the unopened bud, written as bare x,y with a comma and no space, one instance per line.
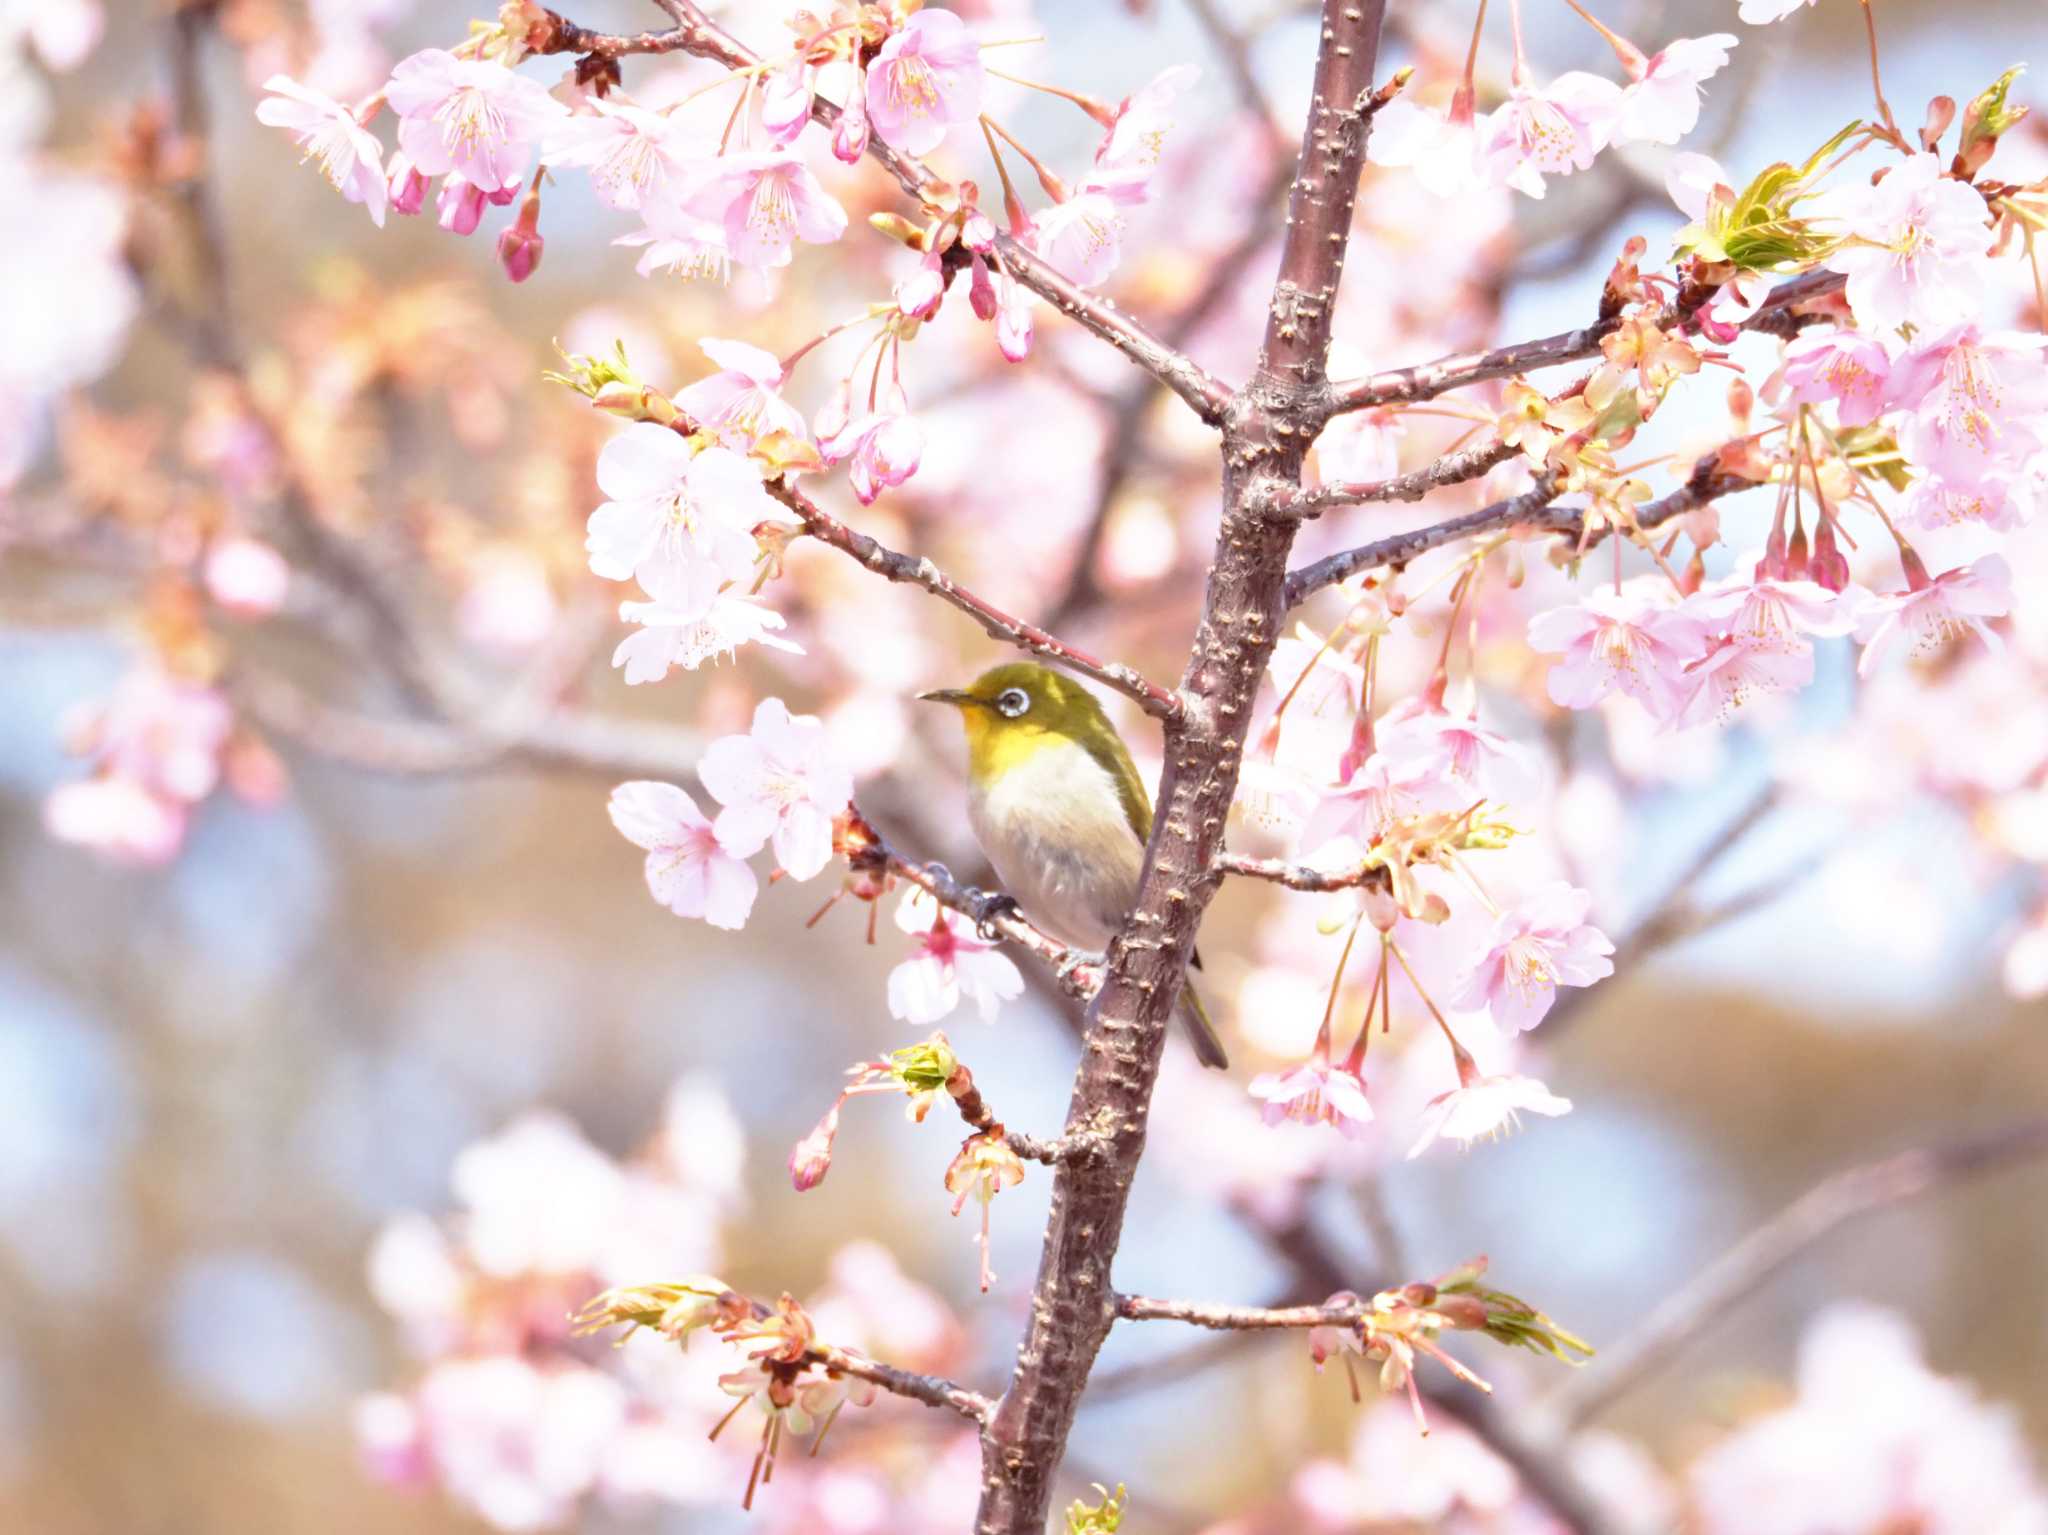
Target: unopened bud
850,133
460,206
897,228
1941,111
520,246
408,186
981,291
811,1158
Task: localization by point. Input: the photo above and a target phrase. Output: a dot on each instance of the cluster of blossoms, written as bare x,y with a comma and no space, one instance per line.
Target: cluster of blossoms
523,1420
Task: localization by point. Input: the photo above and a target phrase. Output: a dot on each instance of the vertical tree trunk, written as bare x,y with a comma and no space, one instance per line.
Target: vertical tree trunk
1267,431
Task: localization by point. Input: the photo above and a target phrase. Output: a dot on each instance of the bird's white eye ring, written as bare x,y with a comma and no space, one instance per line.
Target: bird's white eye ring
1012,702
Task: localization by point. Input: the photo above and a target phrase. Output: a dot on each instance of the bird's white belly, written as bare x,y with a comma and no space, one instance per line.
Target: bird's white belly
1056,833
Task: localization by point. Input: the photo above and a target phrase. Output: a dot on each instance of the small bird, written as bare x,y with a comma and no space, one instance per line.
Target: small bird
1057,804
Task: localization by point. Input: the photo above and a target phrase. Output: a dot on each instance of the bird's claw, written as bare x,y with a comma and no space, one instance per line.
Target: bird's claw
989,907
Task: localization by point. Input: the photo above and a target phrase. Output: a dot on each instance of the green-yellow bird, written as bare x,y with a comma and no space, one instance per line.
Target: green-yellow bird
1060,810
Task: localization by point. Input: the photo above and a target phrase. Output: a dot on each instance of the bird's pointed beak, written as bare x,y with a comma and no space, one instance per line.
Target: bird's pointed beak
959,698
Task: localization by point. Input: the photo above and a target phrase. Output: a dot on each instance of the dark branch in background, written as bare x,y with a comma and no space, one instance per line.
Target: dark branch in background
1427,380
1745,1267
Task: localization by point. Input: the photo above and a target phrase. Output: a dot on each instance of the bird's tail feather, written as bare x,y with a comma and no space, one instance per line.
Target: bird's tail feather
1201,1032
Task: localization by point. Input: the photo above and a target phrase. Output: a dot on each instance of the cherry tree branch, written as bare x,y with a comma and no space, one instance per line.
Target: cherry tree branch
1279,871
1450,469
1159,702
697,35
1425,381
932,1390
1747,1266
1220,1318
1267,429
1531,509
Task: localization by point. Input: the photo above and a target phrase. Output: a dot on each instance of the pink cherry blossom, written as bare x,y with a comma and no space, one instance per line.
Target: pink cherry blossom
740,402
885,448
1844,366
1624,642
246,576
458,206
1663,106
1928,615
690,870
1734,671
765,200
1540,943
1428,745
635,157
406,186
1315,1092
116,818
949,963
473,119
350,157
1769,614
926,79
1441,145
1382,791
786,96
779,783
670,505
1014,319
1360,446
160,732
680,243
2000,501
1873,1440
695,616
1549,132
1976,403
1483,1107
1762,12
1916,247
1081,237
1129,154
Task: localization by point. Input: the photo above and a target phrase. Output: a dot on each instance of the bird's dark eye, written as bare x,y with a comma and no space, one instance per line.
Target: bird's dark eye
1012,702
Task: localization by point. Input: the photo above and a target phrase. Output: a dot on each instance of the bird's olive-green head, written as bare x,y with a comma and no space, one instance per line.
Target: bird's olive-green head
1014,711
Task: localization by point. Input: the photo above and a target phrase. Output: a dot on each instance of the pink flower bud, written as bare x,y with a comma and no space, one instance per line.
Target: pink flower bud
460,206
981,292
920,294
408,186
520,246
786,103
850,136
504,197
978,233
811,1158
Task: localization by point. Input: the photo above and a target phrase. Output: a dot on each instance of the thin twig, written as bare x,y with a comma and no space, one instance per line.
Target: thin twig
1747,1266
1144,1308
1451,469
1426,381
1159,702
932,1390
1531,509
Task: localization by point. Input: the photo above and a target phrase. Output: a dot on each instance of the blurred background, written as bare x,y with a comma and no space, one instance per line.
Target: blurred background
222,1077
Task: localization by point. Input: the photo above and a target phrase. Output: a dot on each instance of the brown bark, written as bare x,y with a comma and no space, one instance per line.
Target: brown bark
1267,428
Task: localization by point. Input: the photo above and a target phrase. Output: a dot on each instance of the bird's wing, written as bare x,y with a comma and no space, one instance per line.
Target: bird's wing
1114,758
